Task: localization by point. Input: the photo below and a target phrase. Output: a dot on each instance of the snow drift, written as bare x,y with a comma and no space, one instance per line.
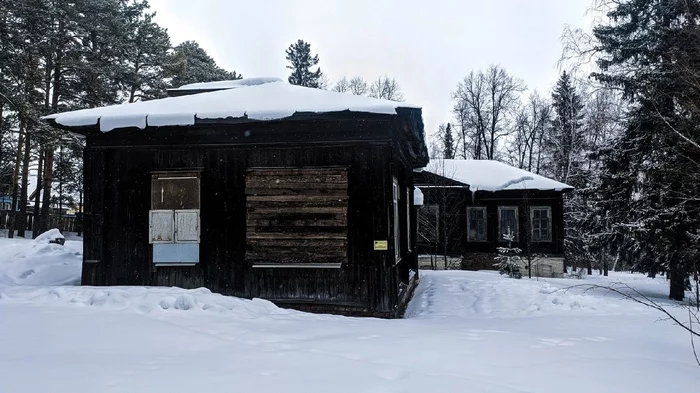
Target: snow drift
38,262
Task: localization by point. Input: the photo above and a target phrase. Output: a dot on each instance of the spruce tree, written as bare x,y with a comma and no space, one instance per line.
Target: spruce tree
301,61
564,147
566,137
652,171
448,143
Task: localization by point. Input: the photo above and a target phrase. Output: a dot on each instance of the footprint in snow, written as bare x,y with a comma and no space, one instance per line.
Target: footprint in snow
554,342
391,373
26,274
596,339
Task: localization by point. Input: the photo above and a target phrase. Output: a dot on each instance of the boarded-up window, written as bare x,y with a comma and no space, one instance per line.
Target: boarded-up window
297,216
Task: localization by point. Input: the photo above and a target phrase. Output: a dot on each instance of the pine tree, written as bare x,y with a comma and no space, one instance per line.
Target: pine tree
190,63
301,61
145,50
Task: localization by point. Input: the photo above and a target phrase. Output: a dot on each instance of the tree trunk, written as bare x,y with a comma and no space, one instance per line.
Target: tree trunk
21,223
60,184
80,221
605,264
589,267
652,272
15,179
48,179
677,287
37,196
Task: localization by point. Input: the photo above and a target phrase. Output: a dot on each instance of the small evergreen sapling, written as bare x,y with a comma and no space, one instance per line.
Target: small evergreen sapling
509,259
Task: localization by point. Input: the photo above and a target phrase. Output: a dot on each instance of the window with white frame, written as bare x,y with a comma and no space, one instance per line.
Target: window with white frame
507,222
174,218
476,223
397,227
541,221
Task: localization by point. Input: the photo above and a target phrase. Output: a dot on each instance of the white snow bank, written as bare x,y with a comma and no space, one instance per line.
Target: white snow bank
229,84
468,332
143,299
48,236
38,262
488,175
267,101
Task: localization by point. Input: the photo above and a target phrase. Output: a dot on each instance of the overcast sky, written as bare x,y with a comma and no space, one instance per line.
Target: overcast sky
428,45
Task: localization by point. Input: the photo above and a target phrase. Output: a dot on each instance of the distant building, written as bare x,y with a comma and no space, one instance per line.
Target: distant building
470,206
5,202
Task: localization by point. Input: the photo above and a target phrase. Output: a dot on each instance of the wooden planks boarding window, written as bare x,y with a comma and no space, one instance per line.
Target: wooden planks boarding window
297,217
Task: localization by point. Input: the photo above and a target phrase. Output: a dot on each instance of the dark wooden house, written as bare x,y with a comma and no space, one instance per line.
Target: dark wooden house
471,207
257,189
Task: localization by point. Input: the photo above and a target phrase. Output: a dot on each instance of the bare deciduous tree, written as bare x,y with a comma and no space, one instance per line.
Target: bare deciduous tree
358,86
342,85
484,104
530,124
386,88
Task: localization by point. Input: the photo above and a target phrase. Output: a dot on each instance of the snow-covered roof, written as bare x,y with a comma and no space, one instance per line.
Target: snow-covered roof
230,84
488,175
271,100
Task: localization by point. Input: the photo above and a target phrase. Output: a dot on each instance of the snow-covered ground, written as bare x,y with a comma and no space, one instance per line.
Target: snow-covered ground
464,332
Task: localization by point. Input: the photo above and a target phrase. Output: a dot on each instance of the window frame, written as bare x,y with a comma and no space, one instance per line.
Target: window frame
516,238
178,175
421,213
485,218
409,244
396,219
548,209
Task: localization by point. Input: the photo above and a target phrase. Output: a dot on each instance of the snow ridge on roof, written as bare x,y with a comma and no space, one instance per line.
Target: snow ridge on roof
264,101
488,175
228,84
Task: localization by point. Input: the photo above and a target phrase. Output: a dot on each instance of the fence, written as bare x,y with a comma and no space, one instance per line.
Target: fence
63,223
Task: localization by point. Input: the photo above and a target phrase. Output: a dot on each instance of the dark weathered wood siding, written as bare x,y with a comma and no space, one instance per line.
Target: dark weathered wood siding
118,167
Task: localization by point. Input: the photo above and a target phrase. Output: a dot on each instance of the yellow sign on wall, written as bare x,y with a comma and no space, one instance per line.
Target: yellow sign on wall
381,245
